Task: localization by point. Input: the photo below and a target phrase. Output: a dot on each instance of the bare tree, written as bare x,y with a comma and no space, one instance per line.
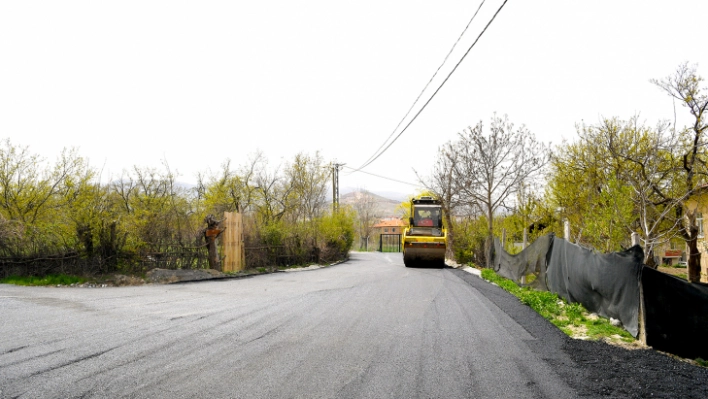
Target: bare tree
491,167
155,206
637,157
690,170
442,182
273,200
28,191
366,216
230,190
308,177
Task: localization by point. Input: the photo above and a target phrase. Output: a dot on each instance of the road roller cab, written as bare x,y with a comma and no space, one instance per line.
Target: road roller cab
424,240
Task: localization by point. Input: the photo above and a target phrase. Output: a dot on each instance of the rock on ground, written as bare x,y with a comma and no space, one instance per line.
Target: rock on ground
165,276
120,280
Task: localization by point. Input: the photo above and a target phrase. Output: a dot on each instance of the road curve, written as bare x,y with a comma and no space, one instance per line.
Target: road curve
368,328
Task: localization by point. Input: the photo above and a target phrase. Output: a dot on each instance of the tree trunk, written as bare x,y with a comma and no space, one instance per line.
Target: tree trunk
690,234
650,261
449,253
490,235
694,259
213,253
210,235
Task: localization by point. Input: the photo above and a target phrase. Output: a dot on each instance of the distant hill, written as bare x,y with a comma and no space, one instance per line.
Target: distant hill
384,207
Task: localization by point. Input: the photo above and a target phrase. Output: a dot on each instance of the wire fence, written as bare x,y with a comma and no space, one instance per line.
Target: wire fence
74,263
78,264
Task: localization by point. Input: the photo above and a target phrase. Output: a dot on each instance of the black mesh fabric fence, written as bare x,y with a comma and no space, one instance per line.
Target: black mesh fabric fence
529,262
676,314
675,311
607,284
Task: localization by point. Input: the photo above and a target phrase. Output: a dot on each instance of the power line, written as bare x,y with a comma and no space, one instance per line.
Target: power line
439,87
436,91
427,84
384,177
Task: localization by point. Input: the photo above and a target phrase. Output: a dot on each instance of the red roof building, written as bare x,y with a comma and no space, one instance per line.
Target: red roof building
390,226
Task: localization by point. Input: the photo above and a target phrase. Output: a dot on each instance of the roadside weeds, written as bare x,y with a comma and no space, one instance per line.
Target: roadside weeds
571,318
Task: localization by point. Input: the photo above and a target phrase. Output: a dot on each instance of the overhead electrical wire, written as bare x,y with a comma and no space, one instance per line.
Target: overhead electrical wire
376,156
384,177
437,90
427,84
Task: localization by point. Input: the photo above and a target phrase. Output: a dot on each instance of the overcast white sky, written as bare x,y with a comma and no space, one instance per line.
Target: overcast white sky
197,82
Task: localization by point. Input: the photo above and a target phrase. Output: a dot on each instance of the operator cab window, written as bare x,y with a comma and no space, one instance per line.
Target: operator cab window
427,217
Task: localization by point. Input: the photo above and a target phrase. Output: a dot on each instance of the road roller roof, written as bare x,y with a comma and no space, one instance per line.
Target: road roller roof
426,201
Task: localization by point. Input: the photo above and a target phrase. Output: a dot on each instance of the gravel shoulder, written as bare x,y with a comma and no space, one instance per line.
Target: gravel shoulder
597,369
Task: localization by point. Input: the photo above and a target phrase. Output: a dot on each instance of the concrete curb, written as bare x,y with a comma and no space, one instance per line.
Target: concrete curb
302,269
313,267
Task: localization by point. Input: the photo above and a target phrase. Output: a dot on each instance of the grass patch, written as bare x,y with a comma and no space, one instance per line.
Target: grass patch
601,328
701,362
568,317
52,279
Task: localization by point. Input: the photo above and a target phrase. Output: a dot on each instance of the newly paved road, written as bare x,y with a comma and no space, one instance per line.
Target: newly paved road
368,328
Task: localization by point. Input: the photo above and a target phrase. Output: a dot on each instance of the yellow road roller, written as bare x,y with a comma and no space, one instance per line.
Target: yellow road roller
424,240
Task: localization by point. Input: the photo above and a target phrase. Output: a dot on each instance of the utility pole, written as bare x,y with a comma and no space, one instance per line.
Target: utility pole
335,185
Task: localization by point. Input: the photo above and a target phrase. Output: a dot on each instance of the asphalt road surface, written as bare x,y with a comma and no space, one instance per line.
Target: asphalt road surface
367,328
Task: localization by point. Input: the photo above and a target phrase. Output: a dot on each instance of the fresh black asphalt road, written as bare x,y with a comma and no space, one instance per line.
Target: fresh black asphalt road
367,328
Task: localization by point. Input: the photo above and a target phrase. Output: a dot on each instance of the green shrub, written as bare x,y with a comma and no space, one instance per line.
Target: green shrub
273,234
337,230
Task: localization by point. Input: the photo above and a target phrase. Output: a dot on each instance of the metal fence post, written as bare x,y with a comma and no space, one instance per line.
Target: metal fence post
635,239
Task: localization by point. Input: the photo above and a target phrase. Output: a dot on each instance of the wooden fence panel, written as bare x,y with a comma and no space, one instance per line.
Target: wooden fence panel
234,256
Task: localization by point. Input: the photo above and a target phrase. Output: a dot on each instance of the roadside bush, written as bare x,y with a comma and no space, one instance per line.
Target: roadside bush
337,233
58,218
468,245
273,234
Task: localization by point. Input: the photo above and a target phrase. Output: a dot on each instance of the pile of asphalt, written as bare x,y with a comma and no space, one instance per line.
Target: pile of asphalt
597,369
611,371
